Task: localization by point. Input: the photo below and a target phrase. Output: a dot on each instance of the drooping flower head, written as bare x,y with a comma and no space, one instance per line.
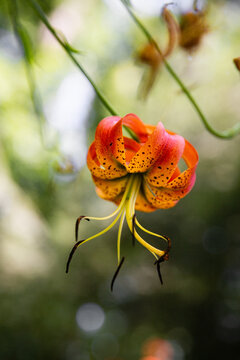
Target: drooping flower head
140,174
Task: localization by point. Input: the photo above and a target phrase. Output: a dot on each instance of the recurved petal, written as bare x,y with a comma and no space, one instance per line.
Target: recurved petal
187,177
133,122
190,155
158,197
110,169
116,143
165,166
180,184
142,204
110,189
131,148
101,159
102,138
148,153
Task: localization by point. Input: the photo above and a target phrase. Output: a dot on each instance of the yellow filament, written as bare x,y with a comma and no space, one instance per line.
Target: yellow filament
103,231
130,209
119,206
119,235
117,211
149,232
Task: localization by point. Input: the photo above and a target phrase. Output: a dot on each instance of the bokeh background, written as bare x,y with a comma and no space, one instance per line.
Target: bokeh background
45,185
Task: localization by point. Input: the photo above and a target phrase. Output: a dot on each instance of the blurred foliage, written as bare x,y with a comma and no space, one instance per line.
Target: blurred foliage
197,310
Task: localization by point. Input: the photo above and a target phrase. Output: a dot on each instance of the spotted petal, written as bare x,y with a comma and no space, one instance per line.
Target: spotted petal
110,189
101,160
178,186
148,153
168,158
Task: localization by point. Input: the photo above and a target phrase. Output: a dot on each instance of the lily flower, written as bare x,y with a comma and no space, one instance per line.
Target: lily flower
138,175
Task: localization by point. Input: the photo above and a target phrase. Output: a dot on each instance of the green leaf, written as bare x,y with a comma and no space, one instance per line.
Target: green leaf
66,43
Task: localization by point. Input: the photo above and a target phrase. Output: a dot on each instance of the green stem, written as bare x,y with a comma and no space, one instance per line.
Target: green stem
226,134
68,50
44,19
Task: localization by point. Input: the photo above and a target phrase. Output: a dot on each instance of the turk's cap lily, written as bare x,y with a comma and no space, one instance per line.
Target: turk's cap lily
113,158
138,175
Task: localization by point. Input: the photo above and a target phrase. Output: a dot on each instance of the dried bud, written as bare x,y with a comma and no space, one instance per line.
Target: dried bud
192,28
237,63
152,57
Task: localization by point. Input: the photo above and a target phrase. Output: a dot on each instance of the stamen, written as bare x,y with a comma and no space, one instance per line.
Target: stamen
116,273
119,234
130,211
71,254
77,225
150,232
158,270
163,258
133,229
90,238
88,218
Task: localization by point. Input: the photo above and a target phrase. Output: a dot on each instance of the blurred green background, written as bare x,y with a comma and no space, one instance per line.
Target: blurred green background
46,314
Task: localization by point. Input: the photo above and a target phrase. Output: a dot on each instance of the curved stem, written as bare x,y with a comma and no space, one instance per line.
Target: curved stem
226,134
69,52
67,49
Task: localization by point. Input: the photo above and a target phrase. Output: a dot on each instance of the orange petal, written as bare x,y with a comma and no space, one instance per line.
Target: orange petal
110,170
133,122
167,161
167,197
110,189
100,159
158,198
131,147
180,184
116,143
190,155
142,204
148,153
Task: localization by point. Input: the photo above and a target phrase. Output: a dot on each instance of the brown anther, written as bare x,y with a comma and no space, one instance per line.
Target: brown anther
116,272
163,258
71,254
77,225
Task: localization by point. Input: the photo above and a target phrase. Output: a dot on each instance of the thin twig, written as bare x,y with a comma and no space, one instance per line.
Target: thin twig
226,134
